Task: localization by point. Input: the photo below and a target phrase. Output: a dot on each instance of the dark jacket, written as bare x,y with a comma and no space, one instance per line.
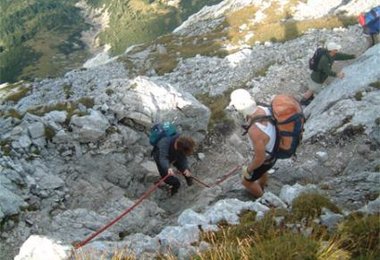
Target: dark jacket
165,154
325,64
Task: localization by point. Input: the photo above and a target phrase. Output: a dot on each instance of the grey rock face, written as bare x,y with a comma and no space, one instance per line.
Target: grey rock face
89,128
10,203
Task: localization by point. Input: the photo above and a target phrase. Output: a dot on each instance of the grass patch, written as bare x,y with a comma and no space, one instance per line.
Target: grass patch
286,246
67,90
360,234
5,146
110,92
14,92
49,133
248,227
164,63
218,121
11,113
375,84
263,71
87,102
309,206
358,96
265,239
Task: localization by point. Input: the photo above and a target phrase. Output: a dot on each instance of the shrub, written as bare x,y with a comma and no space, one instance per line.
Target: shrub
217,105
5,146
360,234
17,95
286,246
375,84
49,133
309,206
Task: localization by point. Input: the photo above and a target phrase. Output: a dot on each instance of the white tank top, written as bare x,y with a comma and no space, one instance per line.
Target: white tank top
269,130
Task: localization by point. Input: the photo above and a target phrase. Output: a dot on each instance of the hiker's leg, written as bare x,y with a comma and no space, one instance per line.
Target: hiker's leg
307,95
263,180
259,179
376,38
369,40
254,188
189,180
313,88
373,41
174,183
171,180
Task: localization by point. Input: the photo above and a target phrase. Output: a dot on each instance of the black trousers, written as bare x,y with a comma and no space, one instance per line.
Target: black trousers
171,180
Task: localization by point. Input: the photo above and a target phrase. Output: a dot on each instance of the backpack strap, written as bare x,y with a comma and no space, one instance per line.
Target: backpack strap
292,118
256,119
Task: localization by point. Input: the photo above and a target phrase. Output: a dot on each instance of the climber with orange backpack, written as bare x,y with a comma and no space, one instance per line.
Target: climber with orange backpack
275,132
170,149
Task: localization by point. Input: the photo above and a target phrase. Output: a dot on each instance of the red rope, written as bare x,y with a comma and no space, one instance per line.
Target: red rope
225,177
201,182
146,194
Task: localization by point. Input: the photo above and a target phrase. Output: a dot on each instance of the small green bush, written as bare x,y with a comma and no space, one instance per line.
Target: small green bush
358,96
11,113
16,96
361,235
87,102
49,133
375,84
110,91
309,206
5,146
286,246
217,106
67,89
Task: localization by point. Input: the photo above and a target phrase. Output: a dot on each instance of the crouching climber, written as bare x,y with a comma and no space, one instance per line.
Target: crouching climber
171,149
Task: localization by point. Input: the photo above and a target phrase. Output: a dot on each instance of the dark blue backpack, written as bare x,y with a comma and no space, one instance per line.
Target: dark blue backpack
161,130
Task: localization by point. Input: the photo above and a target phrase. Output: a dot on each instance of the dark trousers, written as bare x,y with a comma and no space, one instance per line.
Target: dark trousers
171,180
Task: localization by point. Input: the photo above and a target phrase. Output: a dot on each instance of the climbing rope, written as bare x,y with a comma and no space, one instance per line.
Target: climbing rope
146,194
226,176
201,182
222,179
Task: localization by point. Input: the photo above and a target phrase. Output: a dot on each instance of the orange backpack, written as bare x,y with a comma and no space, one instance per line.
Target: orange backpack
288,118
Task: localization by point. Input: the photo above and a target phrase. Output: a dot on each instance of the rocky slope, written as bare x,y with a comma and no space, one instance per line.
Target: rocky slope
76,153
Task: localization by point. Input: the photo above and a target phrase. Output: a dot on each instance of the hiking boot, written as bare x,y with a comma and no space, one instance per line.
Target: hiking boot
189,181
172,190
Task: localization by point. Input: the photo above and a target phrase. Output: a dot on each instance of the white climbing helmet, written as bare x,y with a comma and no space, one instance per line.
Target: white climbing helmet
243,102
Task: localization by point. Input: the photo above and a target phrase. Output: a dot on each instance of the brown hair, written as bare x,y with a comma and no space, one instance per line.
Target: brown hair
185,144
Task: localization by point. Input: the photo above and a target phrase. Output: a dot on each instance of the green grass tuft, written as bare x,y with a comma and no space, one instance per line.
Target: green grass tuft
309,206
360,234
